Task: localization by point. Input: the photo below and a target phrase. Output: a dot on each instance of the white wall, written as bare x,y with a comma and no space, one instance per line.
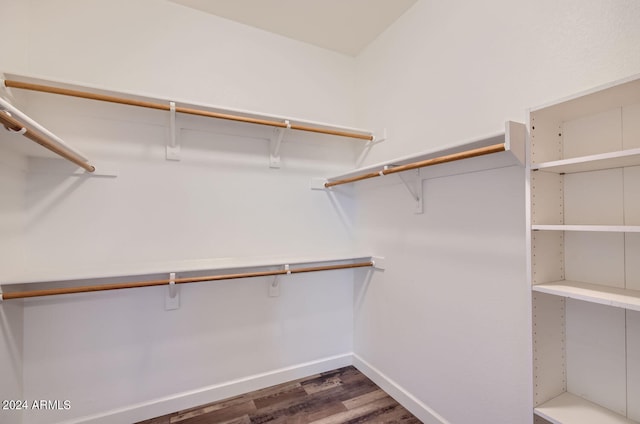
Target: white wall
448,321
109,351
13,56
12,189
14,21
162,47
11,357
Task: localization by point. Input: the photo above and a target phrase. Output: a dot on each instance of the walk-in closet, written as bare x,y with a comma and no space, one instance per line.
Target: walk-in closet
319,212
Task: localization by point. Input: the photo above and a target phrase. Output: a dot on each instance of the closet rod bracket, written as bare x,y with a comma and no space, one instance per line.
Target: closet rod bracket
173,147
378,263
366,149
21,131
318,183
172,297
274,144
274,287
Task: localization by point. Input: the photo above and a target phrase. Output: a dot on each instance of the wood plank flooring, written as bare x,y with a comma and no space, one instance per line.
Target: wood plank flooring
341,396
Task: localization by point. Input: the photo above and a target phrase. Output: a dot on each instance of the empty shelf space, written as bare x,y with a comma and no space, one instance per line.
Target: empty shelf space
618,159
602,228
571,409
595,293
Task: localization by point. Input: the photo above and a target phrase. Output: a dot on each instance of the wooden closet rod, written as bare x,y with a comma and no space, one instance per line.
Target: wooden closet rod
421,164
137,284
199,112
10,123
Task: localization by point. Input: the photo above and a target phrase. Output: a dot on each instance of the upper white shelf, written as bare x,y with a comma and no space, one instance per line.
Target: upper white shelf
601,228
513,139
43,274
617,159
15,81
608,96
571,409
594,293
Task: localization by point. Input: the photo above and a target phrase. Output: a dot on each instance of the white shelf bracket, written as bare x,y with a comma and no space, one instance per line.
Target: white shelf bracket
173,147
172,297
368,145
274,145
413,183
274,287
378,263
21,131
318,183
1,298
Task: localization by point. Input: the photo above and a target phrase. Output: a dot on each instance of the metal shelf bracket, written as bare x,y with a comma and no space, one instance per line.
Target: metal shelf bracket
368,145
172,297
274,287
274,145
173,147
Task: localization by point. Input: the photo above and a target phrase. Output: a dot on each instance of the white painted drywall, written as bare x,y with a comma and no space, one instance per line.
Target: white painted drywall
15,25
11,361
12,192
449,320
114,350
178,52
13,57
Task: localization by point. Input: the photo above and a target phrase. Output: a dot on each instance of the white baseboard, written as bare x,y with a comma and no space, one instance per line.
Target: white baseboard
406,399
204,395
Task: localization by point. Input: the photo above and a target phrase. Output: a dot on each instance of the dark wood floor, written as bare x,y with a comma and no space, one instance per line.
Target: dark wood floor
335,397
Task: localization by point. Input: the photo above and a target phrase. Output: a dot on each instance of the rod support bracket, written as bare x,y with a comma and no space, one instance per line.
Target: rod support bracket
1,298
378,263
413,182
20,131
274,287
173,147
318,183
274,144
172,297
366,149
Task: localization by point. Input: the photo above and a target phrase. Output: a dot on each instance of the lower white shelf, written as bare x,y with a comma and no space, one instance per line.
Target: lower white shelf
602,228
571,409
42,274
595,293
616,159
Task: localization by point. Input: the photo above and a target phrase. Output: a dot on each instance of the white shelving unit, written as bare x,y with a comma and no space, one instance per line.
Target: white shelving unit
584,179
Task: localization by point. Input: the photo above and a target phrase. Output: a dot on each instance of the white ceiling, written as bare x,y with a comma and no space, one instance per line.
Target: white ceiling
345,26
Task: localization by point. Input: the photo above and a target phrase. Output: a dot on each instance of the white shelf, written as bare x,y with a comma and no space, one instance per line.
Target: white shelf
604,97
42,275
513,137
570,409
594,293
181,102
618,159
600,228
